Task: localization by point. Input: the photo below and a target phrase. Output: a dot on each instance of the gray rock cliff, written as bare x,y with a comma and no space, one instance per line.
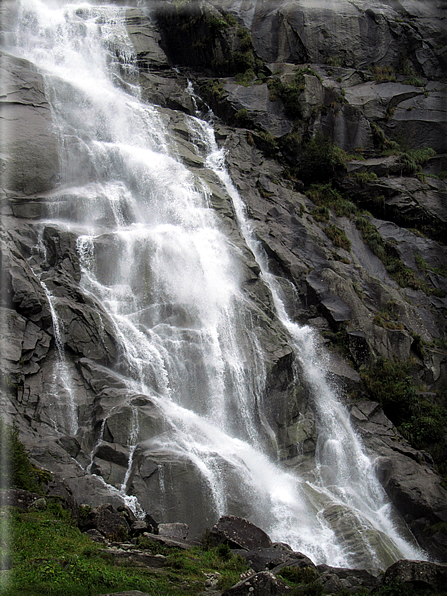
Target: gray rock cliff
369,300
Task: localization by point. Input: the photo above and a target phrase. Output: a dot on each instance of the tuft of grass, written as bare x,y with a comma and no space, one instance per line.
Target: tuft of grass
402,274
337,236
413,160
388,317
363,178
326,195
383,74
414,81
424,266
382,142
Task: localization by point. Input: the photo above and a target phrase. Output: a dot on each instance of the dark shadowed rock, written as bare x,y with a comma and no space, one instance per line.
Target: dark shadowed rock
419,575
260,584
348,579
274,558
104,518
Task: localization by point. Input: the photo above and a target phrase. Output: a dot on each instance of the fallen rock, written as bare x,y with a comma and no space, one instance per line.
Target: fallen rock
260,584
238,532
419,575
273,559
104,518
174,530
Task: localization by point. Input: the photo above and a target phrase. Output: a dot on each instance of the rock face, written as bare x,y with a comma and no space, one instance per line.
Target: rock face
346,290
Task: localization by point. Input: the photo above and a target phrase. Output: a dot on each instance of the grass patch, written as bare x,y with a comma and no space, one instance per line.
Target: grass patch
413,160
337,236
414,81
318,160
363,178
402,274
388,317
382,142
327,196
290,93
422,421
424,266
16,471
51,557
383,74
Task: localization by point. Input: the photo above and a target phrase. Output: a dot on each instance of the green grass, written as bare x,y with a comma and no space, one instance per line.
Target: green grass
337,236
363,178
324,195
16,471
402,274
389,317
51,557
422,421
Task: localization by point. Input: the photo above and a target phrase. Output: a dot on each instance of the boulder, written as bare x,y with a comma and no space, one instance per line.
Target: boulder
274,558
263,583
336,579
106,519
417,575
238,532
174,530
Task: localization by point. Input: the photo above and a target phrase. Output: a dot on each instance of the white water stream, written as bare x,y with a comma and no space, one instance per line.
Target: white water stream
154,256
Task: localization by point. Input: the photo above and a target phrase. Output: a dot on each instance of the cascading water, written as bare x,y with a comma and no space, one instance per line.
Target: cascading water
153,255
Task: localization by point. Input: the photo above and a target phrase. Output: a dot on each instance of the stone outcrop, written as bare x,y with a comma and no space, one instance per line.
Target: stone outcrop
342,290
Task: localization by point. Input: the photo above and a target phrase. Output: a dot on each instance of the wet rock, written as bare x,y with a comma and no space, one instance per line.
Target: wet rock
30,160
134,557
170,542
145,39
417,493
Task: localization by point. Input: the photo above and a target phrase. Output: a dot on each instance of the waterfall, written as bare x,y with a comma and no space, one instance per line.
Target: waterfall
154,255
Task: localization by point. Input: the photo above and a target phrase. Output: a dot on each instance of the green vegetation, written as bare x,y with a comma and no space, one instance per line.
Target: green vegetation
242,117
363,178
402,274
52,557
318,160
215,88
382,142
327,196
421,419
389,317
424,266
302,580
290,92
413,81
413,160
16,471
383,74
337,236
